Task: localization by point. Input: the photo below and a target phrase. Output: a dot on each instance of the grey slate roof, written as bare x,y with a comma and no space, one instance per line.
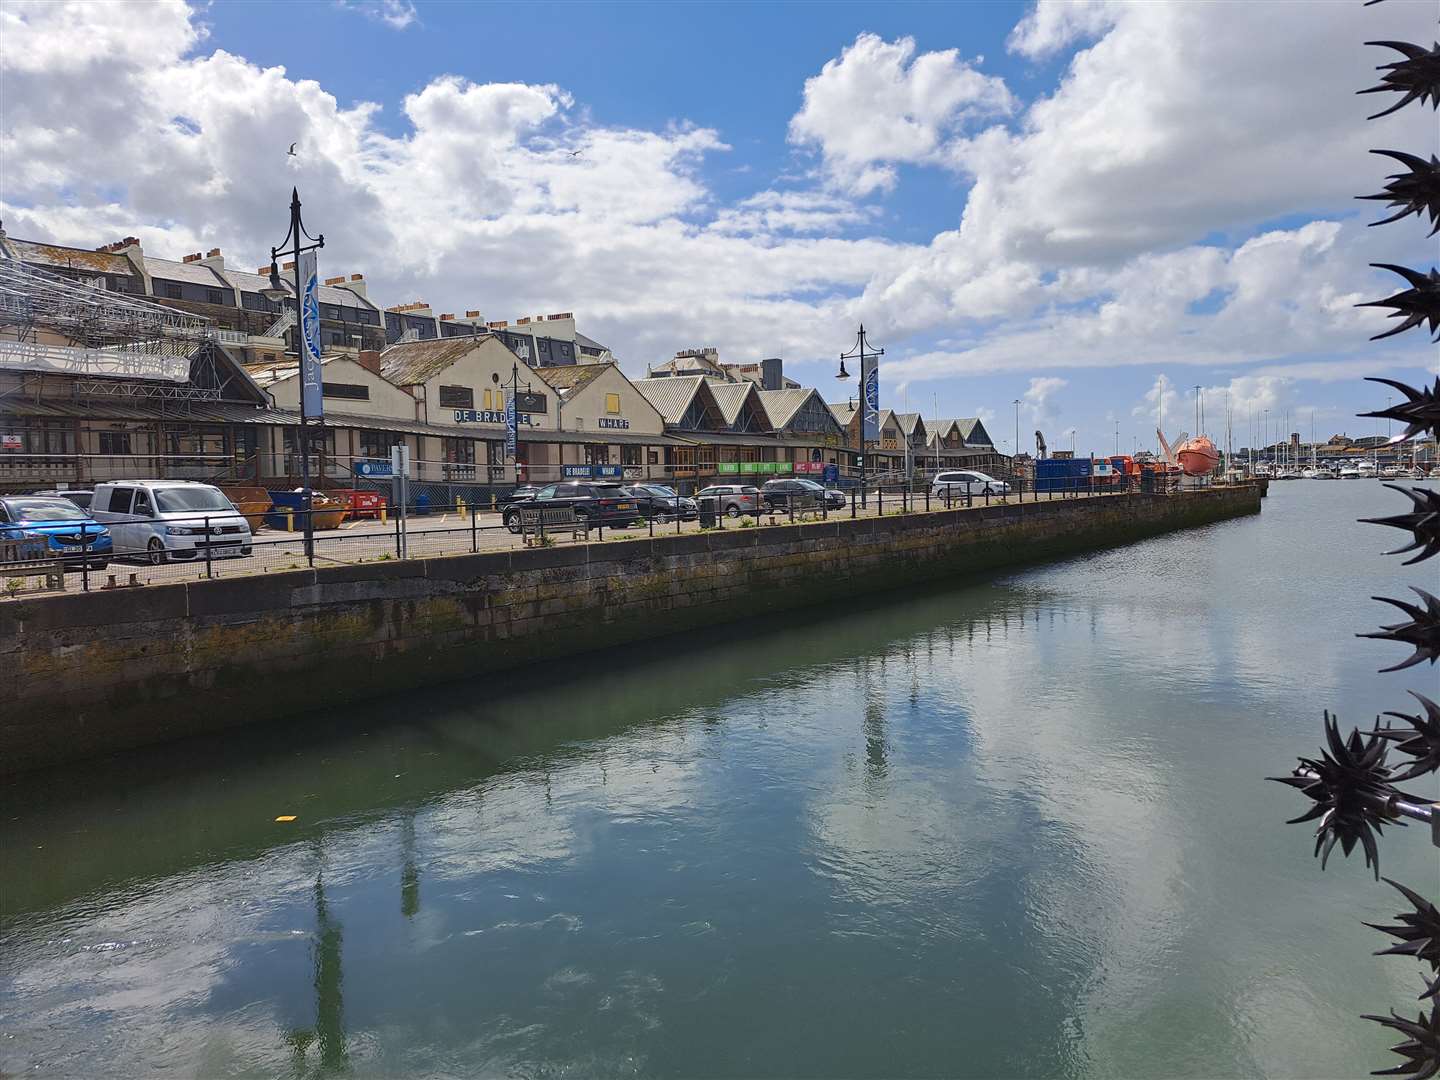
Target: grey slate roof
195,273
569,378
419,361
57,255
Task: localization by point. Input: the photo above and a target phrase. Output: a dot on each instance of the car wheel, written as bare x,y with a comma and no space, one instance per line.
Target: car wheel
155,551
512,522
733,510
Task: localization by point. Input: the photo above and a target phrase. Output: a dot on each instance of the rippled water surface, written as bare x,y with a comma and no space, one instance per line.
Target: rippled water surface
1011,827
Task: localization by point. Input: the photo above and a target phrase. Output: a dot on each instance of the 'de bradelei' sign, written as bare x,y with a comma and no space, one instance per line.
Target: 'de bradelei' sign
490,416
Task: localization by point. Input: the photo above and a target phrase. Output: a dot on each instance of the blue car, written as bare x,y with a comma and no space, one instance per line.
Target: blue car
66,529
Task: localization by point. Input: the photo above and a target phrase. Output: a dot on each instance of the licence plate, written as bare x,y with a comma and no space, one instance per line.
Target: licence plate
624,506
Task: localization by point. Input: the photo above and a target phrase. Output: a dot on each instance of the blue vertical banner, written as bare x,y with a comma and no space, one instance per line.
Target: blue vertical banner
311,374
870,398
511,423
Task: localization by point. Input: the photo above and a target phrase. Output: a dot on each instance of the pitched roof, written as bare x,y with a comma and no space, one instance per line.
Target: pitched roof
419,361
731,398
969,427
569,378
843,413
670,394
196,273
782,405
100,262
908,421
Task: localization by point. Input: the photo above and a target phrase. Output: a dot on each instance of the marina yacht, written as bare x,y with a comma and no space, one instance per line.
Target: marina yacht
1350,471
1368,470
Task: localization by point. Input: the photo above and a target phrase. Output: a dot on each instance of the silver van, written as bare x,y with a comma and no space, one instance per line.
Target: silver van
161,520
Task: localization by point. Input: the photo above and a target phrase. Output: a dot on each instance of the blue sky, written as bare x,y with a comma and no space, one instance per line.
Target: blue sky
1153,196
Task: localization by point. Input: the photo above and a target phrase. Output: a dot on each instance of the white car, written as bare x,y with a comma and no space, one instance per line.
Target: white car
968,482
163,520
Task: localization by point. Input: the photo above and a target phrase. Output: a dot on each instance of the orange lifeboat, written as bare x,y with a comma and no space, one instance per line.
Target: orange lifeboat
1197,456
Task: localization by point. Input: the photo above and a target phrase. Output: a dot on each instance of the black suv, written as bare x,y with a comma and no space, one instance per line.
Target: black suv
782,494
663,503
606,504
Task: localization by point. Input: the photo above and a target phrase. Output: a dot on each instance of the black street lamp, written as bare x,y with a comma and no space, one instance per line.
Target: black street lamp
276,292
868,358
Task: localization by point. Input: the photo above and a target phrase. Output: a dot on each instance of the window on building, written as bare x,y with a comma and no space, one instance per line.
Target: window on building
630,455
115,442
597,454
170,290
612,404
349,391
494,400
214,296
458,451
457,397
376,444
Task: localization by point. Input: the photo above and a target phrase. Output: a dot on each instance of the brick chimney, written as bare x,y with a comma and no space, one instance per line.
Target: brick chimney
356,284
214,259
370,360
335,280
194,257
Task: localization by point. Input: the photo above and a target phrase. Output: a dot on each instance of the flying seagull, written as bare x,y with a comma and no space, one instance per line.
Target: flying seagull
292,150
577,153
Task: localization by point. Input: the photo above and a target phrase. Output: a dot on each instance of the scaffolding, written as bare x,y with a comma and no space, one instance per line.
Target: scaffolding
55,325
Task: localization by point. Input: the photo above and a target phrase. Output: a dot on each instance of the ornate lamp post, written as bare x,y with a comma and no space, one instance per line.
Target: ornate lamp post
307,339
869,396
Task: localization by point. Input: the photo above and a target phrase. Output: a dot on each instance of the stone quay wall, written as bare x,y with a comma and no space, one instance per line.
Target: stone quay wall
85,674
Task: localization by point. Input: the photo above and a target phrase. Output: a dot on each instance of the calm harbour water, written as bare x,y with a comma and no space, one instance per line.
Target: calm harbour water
1012,827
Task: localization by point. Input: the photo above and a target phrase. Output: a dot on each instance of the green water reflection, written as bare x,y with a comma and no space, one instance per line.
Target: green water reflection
1015,827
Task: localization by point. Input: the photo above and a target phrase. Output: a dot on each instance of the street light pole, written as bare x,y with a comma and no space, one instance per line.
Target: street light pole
276,292
1014,466
868,358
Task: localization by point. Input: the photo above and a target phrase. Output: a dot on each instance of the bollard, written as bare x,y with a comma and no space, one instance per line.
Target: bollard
879,501
84,560
650,520
209,571
474,538
397,538
927,498
852,504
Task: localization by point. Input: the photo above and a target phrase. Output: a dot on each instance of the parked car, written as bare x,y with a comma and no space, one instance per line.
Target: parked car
67,530
781,494
161,520
663,503
601,503
79,496
966,482
734,499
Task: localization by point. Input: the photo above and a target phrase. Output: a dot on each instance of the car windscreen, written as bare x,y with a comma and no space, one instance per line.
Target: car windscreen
661,490
178,500
44,510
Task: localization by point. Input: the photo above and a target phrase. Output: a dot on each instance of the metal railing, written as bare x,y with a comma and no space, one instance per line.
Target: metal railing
379,533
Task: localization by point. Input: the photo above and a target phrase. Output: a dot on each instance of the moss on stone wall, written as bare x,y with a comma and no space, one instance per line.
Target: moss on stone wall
83,674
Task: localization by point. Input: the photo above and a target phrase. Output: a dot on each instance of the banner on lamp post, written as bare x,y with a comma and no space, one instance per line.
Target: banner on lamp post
311,376
512,420
870,399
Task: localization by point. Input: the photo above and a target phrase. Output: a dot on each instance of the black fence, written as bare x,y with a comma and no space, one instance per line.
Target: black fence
209,549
